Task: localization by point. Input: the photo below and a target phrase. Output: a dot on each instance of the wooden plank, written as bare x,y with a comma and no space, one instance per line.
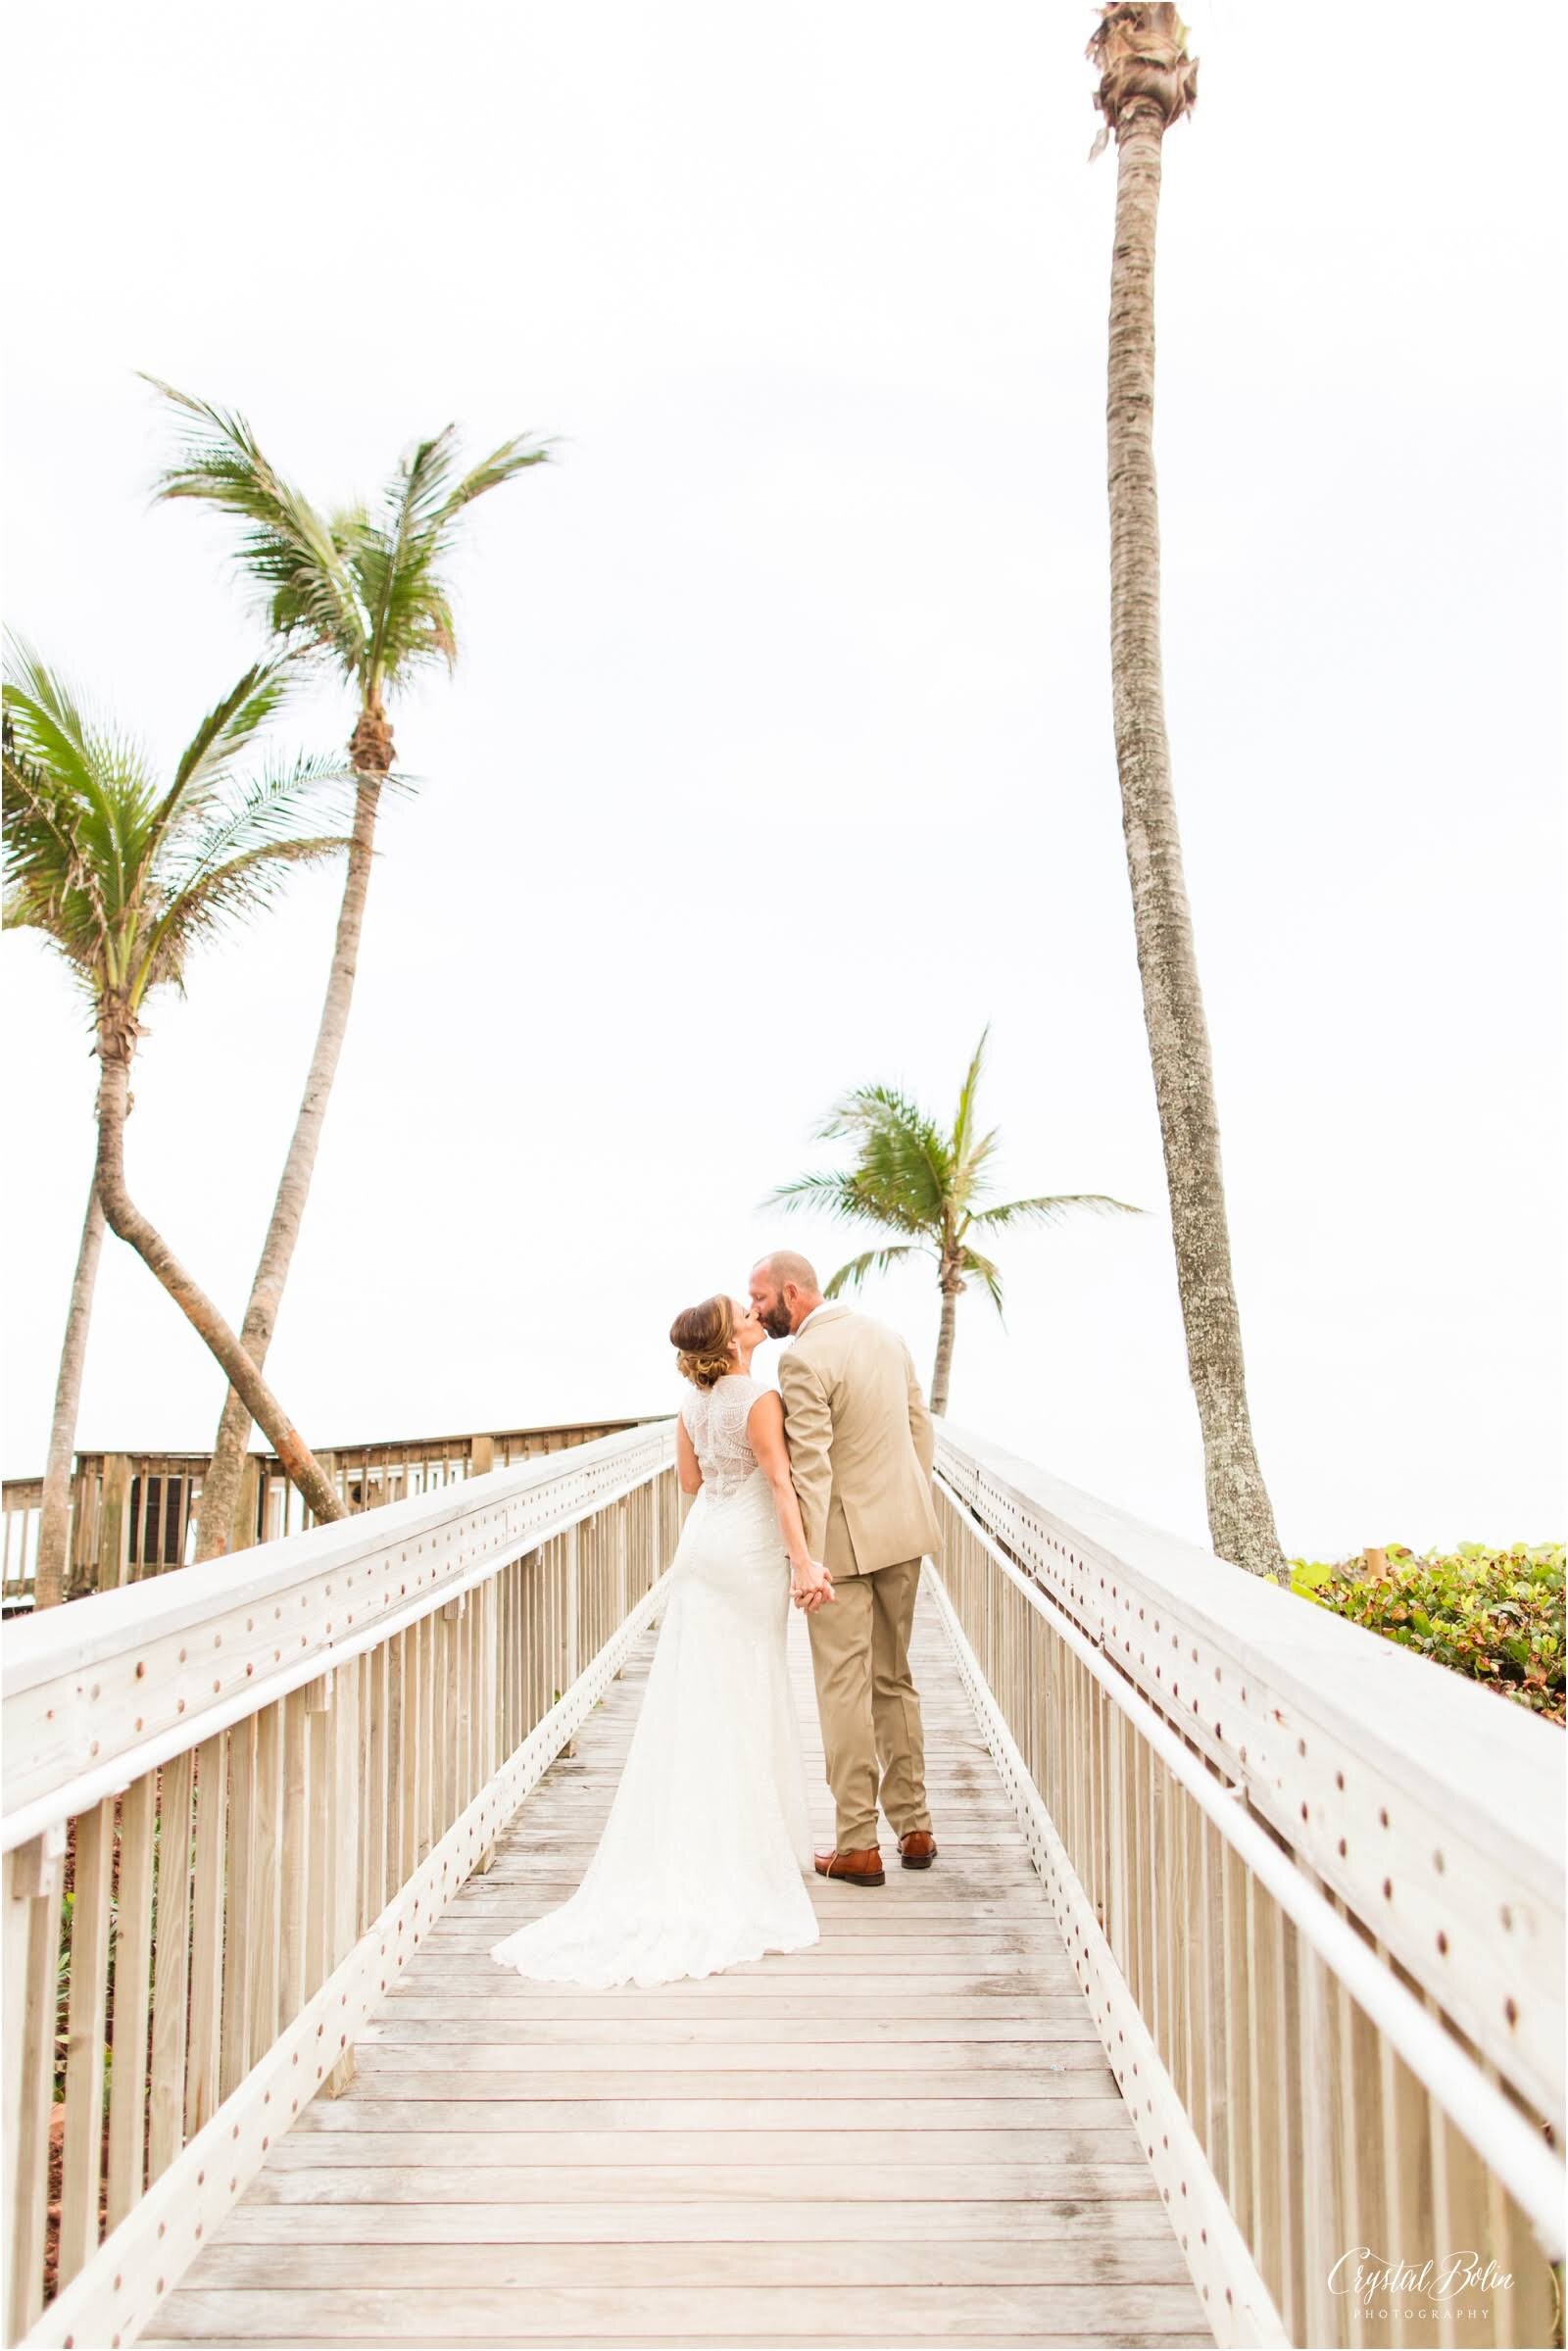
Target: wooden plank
294,1859
380,2078
377,1766
15,1918
496,2059
1115,2259
994,2339
206,1936
319,1700
1044,2032
1103,2313
476,2152
345,1841
239,1935
429,1632
1070,2101
31,2072
413,1762
607,2185
520,2003
265,2019
86,2036
166,2105
781,2220
127,2096
1057,2259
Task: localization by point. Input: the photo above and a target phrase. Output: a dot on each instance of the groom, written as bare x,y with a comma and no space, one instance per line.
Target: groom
861,1457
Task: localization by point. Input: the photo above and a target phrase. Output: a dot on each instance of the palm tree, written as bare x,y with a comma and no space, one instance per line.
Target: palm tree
1148,82
126,875
361,592
908,1177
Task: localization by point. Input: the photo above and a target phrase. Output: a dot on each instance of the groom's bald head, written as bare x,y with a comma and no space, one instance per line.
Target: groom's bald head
784,1291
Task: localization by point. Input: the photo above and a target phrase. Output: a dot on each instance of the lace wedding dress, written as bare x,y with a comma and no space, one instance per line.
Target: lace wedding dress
700,1866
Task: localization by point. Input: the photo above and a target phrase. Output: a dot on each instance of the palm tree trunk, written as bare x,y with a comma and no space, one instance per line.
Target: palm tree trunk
220,1487
299,1463
54,1519
942,1370
1241,1518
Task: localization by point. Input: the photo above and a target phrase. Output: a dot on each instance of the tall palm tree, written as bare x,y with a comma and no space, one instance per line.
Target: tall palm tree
126,875
909,1177
1148,82
361,591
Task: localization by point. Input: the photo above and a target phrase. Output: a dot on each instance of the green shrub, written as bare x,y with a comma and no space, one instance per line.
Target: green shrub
1497,1616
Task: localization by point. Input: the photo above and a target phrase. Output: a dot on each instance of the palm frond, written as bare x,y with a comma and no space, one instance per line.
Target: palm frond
848,1194
963,1123
49,884
235,892
876,1260
871,1106
500,466
982,1269
269,808
284,544
393,555
397,554
1048,1209
831,1191
902,1165
93,781
228,730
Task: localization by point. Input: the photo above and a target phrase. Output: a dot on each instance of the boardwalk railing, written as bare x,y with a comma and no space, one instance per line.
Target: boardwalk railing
134,1514
1312,1886
236,1799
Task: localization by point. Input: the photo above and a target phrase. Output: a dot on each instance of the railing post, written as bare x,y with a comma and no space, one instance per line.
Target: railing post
622,1563
569,1630
114,1523
490,1750
33,1876
342,1794
481,1456
84,1553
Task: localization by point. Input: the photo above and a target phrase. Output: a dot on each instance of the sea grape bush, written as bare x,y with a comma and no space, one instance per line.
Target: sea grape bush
1495,1615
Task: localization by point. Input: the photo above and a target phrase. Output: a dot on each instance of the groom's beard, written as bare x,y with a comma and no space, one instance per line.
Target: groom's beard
776,1322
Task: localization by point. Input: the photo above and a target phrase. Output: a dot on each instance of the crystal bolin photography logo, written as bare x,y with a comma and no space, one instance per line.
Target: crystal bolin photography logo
1410,2289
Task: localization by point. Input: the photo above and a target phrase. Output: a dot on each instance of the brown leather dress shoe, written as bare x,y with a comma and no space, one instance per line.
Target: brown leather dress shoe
864,1867
917,1850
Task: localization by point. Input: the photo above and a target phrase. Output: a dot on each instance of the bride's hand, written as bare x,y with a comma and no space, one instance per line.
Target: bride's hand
810,1586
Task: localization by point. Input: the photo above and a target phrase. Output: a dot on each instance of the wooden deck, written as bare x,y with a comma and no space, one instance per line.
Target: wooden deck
905,2135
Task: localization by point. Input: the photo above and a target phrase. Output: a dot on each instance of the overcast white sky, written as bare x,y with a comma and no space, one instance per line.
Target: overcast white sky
779,756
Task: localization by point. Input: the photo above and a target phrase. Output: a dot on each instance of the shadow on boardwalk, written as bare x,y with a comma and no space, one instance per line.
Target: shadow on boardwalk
908,2133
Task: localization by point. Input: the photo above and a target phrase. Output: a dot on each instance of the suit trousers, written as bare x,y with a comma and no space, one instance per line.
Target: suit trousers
870,1710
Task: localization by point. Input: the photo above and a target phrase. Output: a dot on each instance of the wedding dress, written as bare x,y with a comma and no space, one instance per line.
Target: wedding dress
700,1866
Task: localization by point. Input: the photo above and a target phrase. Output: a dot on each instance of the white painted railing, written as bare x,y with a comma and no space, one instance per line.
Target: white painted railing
1312,1886
133,1515
265,1779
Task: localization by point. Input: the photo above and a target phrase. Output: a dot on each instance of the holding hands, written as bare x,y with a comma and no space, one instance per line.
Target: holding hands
810,1585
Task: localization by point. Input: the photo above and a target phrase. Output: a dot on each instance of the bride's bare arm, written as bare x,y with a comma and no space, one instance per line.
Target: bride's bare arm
687,1469
764,1431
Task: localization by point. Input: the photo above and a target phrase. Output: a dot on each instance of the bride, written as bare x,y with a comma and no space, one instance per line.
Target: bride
701,1864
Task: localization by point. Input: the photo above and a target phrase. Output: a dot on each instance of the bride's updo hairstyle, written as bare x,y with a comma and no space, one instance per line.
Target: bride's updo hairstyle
703,1335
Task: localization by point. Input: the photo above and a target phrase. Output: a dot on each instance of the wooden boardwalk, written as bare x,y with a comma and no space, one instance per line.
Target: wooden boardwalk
905,2135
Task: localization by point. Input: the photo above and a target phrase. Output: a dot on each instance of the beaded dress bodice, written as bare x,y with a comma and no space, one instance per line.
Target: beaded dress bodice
715,1422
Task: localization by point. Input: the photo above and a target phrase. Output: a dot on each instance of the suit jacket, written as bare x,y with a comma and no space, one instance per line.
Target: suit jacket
861,1446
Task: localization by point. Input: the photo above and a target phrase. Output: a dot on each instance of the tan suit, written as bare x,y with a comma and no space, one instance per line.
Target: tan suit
860,1456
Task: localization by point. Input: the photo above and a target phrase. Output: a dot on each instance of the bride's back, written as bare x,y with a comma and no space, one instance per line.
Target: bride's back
715,1422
